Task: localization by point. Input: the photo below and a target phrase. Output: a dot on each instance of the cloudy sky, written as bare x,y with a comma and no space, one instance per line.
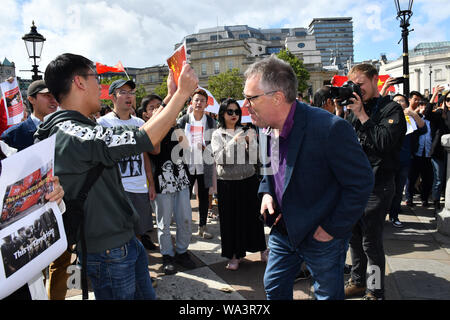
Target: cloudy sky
142,33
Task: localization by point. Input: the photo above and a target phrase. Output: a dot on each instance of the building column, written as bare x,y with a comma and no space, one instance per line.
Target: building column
417,74
443,217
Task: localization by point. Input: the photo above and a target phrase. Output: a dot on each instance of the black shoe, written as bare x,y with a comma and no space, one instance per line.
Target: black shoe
303,275
425,204
347,268
147,242
168,266
436,205
184,260
396,223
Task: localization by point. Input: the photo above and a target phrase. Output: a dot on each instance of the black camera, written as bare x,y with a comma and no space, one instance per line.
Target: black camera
344,93
398,80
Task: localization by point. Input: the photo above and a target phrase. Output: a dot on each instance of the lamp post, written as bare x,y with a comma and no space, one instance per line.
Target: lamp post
431,71
34,43
404,16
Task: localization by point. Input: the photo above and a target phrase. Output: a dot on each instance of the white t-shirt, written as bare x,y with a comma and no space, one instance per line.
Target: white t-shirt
196,136
132,168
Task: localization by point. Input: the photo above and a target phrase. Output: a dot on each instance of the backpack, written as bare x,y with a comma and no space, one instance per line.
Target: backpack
73,219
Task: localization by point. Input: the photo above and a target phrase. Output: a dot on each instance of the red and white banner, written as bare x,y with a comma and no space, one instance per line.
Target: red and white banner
13,101
245,114
213,105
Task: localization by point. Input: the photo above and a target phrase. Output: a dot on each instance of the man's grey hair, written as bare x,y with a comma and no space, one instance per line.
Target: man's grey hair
276,74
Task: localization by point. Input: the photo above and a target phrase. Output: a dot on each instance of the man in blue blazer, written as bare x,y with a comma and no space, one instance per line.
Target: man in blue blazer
318,188
42,103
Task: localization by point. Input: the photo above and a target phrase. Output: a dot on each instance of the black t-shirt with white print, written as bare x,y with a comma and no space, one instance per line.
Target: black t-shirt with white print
170,176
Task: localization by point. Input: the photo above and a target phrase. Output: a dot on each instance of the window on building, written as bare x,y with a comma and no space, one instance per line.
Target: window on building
230,65
203,54
301,45
244,36
273,50
300,33
203,69
230,52
216,53
438,75
216,67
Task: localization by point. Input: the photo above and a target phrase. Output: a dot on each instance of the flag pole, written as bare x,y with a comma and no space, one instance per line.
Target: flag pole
125,70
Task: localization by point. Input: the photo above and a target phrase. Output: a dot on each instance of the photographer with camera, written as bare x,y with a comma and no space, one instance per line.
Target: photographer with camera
380,126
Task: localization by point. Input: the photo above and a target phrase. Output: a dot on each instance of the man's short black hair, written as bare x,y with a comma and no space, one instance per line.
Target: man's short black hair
60,72
415,93
401,95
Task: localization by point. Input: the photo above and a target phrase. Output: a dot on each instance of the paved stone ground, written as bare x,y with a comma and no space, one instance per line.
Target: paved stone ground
417,265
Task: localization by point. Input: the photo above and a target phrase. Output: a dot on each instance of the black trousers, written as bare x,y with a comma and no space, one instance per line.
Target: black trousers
366,243
421,166
203,196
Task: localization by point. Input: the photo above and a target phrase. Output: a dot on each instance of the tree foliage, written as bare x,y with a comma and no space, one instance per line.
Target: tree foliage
299,68
226,85
161,90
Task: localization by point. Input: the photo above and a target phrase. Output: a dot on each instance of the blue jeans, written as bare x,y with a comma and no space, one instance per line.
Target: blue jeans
178,204
325,261
439,178
401,176
121,273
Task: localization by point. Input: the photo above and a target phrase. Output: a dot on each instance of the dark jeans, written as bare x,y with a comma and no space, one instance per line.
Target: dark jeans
401,177
203,196
366,243
421,166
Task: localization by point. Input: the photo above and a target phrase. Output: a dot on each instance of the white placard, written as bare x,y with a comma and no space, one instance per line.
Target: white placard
31,230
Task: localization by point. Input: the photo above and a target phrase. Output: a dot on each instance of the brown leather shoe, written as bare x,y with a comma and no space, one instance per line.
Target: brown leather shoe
352,289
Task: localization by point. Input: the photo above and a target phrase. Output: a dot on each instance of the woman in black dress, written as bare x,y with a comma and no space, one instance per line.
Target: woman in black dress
235,152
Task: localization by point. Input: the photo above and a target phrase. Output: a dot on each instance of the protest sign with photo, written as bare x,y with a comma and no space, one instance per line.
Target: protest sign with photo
31,229
14,103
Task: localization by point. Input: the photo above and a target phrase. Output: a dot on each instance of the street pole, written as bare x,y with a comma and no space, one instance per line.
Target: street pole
431,89
405,33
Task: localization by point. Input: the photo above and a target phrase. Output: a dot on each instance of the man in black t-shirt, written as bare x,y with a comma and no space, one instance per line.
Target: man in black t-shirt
172,197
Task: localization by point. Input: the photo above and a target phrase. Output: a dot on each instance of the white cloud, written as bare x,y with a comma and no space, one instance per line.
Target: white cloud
143,32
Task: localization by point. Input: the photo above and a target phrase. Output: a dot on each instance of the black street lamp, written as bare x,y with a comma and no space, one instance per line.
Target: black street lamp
404,16
431,71
34,43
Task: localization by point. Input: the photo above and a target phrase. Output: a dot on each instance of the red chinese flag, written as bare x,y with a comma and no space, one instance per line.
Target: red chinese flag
105,92
381,80
338,81
101,68
175,62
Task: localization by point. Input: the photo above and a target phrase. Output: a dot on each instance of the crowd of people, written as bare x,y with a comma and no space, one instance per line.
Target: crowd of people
334,174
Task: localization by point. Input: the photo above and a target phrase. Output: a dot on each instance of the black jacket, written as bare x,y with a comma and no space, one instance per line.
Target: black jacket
439,126
381,136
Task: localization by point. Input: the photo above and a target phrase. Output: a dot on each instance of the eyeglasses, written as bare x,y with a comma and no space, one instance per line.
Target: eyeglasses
257,96
124,92
97,77
230,112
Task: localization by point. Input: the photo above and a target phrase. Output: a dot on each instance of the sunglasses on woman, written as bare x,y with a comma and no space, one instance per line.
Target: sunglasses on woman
235,111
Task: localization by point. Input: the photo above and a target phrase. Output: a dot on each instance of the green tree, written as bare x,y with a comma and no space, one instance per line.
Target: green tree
299,68
228,84
161,90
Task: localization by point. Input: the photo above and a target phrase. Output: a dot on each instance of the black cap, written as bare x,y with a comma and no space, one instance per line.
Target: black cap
120,83
36,87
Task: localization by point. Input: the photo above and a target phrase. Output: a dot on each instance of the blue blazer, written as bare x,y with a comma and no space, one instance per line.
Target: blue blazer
20,136
328,178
